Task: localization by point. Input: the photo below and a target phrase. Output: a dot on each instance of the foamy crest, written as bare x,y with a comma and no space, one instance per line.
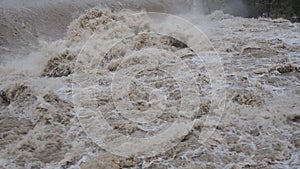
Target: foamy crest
137,92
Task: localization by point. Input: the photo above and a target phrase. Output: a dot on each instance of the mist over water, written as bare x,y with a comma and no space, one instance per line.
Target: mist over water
25,23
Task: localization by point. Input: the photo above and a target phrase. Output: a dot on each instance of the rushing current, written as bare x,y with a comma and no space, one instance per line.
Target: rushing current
146,84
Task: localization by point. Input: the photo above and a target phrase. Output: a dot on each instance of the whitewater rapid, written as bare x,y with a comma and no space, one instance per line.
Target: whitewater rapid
108,87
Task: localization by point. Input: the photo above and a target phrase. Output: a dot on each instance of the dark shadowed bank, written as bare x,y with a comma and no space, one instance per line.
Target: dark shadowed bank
288,9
